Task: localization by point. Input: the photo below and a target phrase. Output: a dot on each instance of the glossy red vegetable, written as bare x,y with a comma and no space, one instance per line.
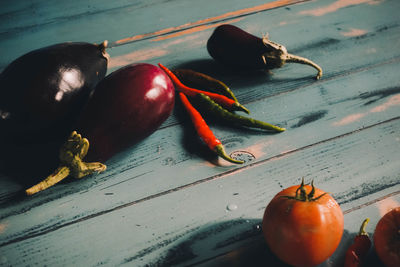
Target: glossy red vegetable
192,92
127,106
303,225
197,79
357,252
237,48
204,131
387,238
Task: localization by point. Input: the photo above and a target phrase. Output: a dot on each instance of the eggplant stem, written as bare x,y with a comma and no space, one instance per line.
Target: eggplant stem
302,60
58,175
277,55
102,48
71,154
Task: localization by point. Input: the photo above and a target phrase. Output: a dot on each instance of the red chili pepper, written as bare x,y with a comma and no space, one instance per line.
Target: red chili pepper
191,92
356,253
204,131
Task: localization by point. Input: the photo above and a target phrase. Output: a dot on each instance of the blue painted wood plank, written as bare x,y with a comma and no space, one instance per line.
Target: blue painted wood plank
295,22
96,21
342,129
119,191
333,111
142,233
295,118
254,251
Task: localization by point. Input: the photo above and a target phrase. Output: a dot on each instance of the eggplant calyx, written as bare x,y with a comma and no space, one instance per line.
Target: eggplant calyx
102,48
277,55
72,153
71,163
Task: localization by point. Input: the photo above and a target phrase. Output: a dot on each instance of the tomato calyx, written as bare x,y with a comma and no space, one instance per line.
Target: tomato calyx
301,193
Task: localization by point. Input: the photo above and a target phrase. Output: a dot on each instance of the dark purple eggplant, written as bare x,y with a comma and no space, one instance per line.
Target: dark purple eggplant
126,106
239,49
43,91
41,95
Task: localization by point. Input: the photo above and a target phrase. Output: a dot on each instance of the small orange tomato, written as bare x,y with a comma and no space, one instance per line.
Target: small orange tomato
303,225
387,238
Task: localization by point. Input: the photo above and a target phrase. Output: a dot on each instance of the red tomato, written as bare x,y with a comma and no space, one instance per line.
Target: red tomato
387,238
303,225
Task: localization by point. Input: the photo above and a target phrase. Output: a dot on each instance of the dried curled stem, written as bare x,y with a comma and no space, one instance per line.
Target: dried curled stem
277,56
71,163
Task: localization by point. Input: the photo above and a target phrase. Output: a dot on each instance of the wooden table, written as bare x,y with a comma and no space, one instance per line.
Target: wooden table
168,200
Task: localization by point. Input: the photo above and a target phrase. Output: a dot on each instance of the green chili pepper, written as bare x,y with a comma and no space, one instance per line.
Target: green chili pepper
191,92
204,82
217,110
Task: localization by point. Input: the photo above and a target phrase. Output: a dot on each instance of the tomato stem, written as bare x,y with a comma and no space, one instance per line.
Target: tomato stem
301,193
311,194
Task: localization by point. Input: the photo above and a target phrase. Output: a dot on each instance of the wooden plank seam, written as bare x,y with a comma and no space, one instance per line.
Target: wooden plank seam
212,20
211,178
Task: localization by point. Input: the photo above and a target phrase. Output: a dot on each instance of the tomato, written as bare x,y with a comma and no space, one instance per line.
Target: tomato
387,238
303,225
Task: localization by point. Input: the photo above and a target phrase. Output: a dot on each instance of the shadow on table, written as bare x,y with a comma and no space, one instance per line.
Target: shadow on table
236,78
241,80
241,243
22,167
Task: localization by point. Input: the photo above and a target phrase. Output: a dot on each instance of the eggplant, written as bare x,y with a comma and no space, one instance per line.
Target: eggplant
41,95
126,107
43,91
236,48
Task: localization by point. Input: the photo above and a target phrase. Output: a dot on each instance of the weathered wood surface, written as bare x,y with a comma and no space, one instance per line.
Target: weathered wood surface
168,200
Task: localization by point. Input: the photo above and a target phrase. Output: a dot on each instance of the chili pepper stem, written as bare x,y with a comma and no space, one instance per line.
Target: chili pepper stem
71,154
205,81
192,92
363,226
204,131
219,149
238,106
357,252
221,112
